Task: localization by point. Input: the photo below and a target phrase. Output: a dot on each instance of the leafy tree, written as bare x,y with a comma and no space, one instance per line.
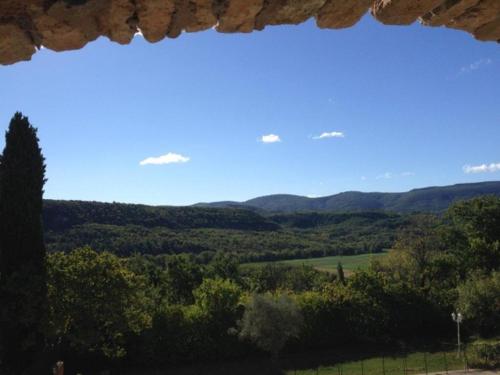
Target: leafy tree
95,303
270,322
182,276
479,302
215,315
22,250
475,236
218,298
326,315
415,251
225,266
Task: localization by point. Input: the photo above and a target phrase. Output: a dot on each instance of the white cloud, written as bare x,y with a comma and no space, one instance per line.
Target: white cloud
407,174
270,138
330,135
475,65
169,158
386,176
483,168
138,33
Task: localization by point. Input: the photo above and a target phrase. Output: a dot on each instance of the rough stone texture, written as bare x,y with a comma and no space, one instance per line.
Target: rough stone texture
337,14
238,15
154,17
203,16
402,12
15,44
446,11
191,16
484,12
479,17
118,21
489,32
289,12
60,25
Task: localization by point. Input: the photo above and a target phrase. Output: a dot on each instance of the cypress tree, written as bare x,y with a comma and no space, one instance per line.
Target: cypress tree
340,273
22,250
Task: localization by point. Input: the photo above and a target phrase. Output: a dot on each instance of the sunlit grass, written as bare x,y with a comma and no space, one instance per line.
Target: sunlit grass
415,363
350,263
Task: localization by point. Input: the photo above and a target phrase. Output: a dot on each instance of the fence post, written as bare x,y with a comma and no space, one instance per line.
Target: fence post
405,369
362,368
445,362
383,365
466,362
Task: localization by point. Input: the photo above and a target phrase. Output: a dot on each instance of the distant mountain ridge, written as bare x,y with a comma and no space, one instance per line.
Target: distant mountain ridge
429,199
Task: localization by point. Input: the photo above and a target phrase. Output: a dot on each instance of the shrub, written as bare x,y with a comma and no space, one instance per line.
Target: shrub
270,322
485,354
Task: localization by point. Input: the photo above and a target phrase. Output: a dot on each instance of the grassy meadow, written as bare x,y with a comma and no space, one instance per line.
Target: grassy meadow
350,263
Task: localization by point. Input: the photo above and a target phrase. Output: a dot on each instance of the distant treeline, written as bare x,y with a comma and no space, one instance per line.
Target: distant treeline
126,229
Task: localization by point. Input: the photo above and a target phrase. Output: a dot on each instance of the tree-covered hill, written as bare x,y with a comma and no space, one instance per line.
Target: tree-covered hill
61,215
347,223
431,199
125,229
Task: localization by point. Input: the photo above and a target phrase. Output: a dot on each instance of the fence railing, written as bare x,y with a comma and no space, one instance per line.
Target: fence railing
443,361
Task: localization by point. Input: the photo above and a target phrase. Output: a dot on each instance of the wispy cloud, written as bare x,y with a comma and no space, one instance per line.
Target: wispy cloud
330,135
390,175
407,174
270,138
475,65
386,176
170,158
483,168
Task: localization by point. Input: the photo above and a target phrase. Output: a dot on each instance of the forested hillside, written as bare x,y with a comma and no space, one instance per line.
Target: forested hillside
431,199
125,229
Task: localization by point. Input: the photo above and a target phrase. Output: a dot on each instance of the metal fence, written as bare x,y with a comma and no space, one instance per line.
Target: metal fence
441,361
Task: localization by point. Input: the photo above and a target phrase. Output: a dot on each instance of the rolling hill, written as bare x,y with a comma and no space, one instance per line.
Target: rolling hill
430,199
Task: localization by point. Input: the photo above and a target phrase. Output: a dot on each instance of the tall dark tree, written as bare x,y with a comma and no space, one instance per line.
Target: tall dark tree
340,273
22,250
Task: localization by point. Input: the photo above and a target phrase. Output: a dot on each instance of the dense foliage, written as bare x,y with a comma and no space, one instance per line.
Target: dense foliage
125,229
95,302
22,249
170,309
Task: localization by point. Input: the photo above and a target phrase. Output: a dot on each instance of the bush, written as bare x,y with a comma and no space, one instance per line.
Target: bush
485,354
479,301
95,303
270,322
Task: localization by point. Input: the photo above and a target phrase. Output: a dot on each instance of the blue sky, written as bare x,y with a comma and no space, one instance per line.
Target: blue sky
408,107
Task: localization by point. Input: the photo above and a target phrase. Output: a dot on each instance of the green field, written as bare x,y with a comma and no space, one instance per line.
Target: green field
350,263
415,363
